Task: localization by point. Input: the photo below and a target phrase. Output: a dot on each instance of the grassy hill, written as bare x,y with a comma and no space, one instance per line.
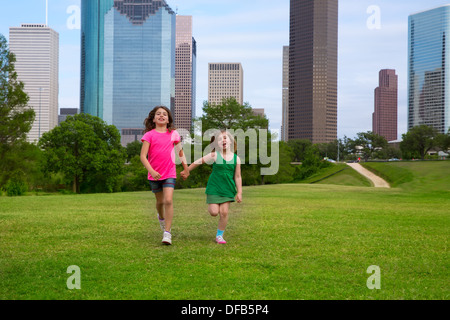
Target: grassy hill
407,175
292,241
414,175
338,174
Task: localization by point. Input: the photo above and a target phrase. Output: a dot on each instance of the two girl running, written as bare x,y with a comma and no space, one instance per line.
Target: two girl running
157,155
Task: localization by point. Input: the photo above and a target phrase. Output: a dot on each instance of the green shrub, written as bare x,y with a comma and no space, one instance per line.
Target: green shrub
15,187
310,165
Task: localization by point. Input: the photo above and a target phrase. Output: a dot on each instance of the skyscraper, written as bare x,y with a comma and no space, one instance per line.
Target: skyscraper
313,70
185,73
225,80
428,69
285,103
36,47
384,119
127,61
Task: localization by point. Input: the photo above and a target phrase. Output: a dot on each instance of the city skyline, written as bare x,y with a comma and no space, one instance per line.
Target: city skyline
254,35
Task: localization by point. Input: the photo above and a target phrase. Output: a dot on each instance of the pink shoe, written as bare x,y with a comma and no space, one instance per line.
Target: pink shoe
220,240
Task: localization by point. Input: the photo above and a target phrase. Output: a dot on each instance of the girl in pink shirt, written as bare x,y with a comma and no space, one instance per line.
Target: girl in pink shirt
158,157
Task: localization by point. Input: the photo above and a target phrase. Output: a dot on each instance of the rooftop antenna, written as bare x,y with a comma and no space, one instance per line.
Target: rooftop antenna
46,13
176,10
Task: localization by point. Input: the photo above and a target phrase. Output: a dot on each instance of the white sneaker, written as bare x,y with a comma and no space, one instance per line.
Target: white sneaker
220,240
167,238
162,223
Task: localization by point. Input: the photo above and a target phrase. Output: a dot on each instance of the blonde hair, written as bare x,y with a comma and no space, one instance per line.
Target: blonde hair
230,136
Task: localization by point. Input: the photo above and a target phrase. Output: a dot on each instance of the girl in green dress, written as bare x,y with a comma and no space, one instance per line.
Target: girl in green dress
225,182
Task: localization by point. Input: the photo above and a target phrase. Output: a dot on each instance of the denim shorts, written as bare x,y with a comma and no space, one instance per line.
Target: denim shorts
157,186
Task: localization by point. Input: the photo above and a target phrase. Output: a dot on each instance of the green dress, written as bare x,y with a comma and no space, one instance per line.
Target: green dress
221,186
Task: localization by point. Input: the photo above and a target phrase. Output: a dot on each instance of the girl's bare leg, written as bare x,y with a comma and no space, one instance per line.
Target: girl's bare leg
160,204
213,209
223,211
168,207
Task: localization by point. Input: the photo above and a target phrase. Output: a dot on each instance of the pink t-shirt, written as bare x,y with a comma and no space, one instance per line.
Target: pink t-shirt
161,154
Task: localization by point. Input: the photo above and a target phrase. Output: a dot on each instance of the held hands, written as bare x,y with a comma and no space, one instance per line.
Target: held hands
239,197
184,174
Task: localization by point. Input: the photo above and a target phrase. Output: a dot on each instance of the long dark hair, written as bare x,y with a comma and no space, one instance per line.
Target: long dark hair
150,125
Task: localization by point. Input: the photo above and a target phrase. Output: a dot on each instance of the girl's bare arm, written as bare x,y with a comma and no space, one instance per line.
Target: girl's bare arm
238,180
209,158
144,160
179,149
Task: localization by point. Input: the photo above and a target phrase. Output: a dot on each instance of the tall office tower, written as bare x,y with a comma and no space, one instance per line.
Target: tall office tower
225,80
428,69
285,103
36,47
185,73
127,61
313,70
384,119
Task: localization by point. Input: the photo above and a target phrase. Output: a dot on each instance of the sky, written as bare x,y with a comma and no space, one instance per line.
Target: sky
372,35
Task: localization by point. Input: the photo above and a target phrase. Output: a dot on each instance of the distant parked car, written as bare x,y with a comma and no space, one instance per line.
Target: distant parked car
393,159
331,160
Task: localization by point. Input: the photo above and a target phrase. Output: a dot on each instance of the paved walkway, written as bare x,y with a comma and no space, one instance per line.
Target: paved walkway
376,180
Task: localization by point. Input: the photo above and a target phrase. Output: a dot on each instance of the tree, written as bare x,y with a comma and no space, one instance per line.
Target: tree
299,147
443,141
133,149
231,115
418,141
85,148
311,164
135,177
367,143
24,161
331,149
286,170
15,118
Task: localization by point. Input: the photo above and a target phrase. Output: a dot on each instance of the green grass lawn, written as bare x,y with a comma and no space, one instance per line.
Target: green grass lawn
292,241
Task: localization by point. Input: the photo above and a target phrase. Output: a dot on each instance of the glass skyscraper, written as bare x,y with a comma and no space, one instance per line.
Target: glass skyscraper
127,60
428,69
